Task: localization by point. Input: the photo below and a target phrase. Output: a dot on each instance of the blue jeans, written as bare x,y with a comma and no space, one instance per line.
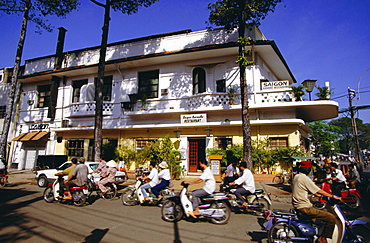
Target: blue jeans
196,195
157,188
143,189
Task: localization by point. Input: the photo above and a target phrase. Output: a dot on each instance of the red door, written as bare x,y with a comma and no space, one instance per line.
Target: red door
197,152
193,155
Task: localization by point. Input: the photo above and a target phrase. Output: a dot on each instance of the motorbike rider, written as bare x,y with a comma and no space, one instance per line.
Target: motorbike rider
3,169
246,181
165,177
152,179
77,178
208,188
230,175
109,177
353,177
68,171
339,180
301,186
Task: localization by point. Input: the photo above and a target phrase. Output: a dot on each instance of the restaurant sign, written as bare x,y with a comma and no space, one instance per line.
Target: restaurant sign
193,118
275,84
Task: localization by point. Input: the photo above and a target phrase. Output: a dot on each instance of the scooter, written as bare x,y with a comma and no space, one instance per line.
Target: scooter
351,197
214,207
132,195
79,193
295,227
258,201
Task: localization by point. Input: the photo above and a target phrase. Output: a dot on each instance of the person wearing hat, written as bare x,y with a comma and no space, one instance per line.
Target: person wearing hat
109,178
339,180
246,181
152,178
301,186
208,188
165,177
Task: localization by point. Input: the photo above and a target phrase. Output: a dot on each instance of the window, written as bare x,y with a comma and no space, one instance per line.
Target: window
221,86
44,96
2,111
224,143
148,84
107,88
77,89
76,148
141,143
278,142
199,80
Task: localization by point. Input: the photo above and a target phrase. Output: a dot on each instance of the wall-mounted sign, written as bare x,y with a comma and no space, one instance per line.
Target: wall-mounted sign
274,84
193,118
39,126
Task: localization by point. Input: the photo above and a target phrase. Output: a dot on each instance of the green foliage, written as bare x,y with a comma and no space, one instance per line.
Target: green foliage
130,6
324,92
261,154
39,9
227,12
324,137
283,155
232,155
298,91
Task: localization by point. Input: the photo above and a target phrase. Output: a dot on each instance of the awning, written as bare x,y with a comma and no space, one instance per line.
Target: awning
32,136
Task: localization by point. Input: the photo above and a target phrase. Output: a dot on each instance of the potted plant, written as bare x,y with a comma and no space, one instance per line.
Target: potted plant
298,92
324,92
144,101
231,93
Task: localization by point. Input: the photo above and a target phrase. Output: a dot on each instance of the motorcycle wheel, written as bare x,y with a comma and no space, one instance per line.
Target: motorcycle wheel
2,181
353,201
263,204
90,187
81,198
112,193
226,209
281,232
171,211
48,195
128,197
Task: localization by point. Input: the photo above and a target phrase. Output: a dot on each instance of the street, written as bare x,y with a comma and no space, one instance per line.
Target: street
26,217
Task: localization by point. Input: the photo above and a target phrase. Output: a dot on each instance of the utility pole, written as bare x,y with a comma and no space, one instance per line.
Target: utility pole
351,96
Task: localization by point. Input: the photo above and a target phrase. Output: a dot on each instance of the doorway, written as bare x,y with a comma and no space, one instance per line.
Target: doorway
197,152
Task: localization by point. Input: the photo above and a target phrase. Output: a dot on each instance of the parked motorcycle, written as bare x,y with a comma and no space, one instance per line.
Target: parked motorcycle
214,207
258,201
351,196
79,193
132,195
295,227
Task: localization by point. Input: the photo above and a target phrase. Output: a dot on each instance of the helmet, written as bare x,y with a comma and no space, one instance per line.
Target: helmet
111,163
163,165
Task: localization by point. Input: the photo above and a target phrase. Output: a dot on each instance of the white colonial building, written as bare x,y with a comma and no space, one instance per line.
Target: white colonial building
186,78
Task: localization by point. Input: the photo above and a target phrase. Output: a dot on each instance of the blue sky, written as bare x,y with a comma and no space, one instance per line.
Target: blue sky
327,40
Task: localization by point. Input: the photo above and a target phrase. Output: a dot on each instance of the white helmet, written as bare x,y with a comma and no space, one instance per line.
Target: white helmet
111,163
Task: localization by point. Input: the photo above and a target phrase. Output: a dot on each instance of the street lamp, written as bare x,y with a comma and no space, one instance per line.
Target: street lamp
310,84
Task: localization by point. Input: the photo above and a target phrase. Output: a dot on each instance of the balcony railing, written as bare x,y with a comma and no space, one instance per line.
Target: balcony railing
193,103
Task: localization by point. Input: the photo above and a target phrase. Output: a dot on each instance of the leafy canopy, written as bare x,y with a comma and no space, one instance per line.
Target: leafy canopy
227,12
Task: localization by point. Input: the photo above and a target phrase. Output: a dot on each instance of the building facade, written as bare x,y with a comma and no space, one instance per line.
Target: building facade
184,84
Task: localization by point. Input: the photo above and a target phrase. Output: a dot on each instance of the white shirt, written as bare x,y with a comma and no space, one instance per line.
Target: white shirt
2,166
153,176
165,174
246,180
340,176
210,185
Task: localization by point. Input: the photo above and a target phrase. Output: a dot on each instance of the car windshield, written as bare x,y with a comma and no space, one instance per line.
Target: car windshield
94,166
65,166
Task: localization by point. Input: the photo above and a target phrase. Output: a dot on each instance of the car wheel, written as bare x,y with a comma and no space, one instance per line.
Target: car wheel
42,181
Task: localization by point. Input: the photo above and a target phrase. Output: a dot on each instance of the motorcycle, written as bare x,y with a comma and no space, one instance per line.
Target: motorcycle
351,196
258,201
79,193
295,227
132,195
214,207
92,184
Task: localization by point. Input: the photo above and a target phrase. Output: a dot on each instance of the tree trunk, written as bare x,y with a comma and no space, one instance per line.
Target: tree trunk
14,92
98,129
246,127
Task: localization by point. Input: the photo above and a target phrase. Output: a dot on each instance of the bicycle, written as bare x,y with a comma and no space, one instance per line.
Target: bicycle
93,186
281,178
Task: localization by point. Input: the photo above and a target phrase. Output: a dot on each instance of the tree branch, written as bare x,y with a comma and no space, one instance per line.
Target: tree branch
98,3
